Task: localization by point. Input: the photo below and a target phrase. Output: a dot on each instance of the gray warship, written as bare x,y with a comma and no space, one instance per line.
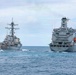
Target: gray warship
63,38
11,42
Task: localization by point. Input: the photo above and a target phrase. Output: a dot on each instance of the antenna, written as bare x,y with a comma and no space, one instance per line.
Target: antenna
12,28
12,19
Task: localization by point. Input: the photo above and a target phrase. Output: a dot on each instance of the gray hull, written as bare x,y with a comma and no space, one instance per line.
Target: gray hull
64,49
12,48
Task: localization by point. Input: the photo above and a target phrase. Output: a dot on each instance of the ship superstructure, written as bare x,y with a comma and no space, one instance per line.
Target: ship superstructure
63,38
11,41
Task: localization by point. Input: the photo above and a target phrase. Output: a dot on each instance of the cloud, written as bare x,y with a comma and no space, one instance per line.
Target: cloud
36,18
14,3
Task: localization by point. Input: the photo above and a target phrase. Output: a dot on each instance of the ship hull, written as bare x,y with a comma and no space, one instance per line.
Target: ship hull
11,48
63,49
14,48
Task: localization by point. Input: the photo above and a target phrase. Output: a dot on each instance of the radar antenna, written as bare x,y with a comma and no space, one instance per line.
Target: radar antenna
12,28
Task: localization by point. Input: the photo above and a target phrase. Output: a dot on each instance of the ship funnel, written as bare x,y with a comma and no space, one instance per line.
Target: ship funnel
64,22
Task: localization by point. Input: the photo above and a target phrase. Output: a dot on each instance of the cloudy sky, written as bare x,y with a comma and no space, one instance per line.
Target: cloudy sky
36,18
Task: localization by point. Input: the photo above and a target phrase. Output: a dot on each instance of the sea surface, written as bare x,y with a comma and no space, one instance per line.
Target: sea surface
37,60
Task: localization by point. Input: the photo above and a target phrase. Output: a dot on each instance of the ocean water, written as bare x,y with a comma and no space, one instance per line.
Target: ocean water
36,60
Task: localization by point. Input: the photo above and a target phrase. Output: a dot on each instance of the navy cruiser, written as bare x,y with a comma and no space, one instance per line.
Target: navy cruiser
11,42
63,38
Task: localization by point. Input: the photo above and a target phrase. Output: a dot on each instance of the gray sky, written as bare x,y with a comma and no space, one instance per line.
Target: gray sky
36,18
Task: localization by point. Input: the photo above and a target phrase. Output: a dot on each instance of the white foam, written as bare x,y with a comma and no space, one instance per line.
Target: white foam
25,50
1,50
64,52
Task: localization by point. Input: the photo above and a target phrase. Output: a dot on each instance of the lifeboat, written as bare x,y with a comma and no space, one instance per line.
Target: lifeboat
74,39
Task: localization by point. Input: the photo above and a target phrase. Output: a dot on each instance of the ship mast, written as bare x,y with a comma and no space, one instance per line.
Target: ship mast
12,28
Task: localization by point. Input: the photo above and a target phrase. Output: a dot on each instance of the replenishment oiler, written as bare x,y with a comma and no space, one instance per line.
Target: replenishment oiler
11,42
63,38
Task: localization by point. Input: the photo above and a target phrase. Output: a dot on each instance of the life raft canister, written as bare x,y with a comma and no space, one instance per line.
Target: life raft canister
74,39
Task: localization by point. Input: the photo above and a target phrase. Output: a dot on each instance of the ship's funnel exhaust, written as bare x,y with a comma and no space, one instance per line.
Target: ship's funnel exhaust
64,22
